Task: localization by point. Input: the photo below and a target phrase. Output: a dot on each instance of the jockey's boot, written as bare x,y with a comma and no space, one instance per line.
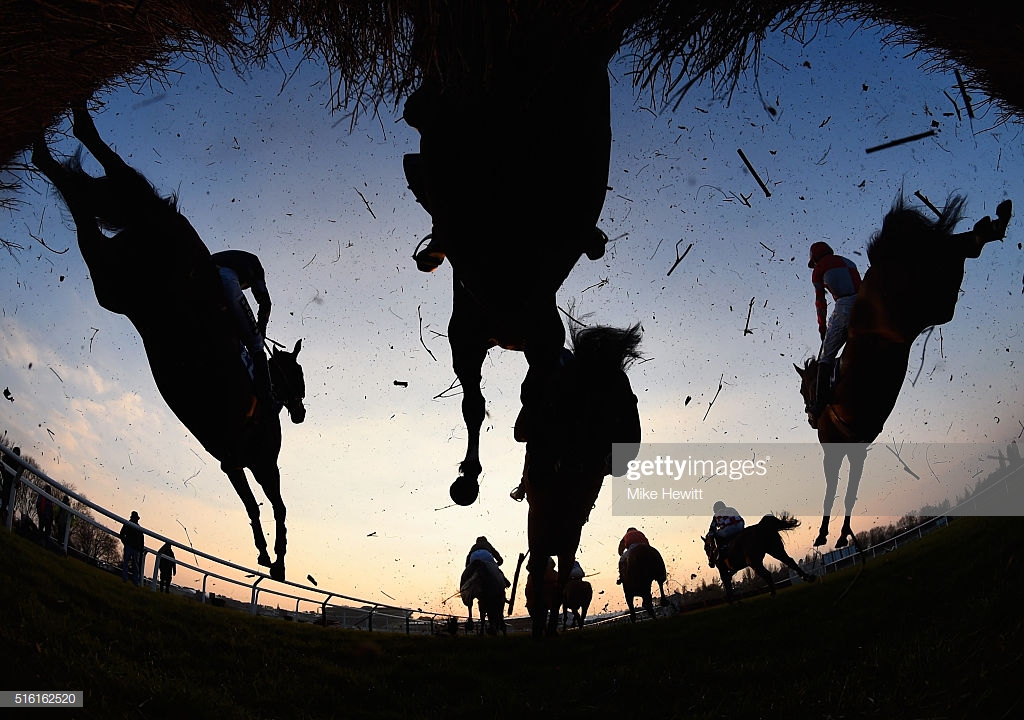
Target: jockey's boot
596,244
429,258
821,387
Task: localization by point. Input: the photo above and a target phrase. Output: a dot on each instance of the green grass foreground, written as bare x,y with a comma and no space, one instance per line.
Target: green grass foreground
933,630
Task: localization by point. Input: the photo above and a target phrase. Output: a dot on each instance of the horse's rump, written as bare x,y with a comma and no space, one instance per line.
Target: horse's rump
643,566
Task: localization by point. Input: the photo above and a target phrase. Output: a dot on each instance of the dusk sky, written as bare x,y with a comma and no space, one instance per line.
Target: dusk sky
261,164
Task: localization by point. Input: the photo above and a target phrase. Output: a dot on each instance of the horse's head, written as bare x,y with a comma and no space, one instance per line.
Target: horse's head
711,549
289,383
808,380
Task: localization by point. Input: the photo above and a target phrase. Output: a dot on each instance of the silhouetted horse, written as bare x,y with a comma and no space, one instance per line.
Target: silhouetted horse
157,271
913,282
748,548
589,404
513,169
577,598
485,583
642,566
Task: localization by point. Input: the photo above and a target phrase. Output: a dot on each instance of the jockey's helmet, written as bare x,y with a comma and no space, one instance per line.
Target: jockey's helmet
719,506
818,251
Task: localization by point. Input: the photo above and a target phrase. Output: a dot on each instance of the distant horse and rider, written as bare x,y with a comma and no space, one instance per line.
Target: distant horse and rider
588,405
913,282
576,600
205,382
640,564
515,144
485,583
748,548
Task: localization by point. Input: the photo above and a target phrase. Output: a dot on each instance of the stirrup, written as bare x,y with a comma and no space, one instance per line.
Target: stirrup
428,259
518,493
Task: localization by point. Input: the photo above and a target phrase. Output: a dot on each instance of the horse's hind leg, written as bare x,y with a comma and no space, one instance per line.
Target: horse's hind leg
238,480
85,130
765,575
856,458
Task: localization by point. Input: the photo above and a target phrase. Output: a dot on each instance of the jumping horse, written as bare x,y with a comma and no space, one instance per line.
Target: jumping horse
485,583
515,144
912,283
589,405
748,548
156,270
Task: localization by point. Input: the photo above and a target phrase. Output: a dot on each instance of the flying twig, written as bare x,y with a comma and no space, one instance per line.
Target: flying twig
578,322
924,348
905,466
365,203
963,94
767,192
955,106
715,397
189,540
750,309
419,314
926,201
444,393
769,250
679,258
894,143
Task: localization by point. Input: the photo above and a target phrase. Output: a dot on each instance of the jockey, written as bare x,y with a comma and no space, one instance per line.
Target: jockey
840,277
630,540
240,270
484,552
726,524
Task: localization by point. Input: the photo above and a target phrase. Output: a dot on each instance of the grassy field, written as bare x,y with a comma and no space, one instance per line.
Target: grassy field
933,630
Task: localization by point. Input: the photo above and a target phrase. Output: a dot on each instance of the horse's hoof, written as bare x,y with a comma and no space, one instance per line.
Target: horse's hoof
464,491
277,570
842,542
264,559
821,539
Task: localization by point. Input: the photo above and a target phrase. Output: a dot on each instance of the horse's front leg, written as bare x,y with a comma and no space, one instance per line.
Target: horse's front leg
268,476
238,480
467,360
831,464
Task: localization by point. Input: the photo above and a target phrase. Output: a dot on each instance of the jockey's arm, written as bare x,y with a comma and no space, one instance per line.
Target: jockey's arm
262,295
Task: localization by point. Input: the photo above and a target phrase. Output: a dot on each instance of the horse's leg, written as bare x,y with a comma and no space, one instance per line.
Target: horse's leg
856,456
269,478
468,355
649,603
727,584
764,574
535,582
779,553
85,130
238,480
831,464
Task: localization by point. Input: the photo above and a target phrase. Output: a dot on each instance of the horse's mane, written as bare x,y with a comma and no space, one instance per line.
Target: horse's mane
603,346
905,230
114,209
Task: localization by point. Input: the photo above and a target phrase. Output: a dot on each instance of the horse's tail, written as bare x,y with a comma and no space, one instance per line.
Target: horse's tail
780,523
601,345
905,229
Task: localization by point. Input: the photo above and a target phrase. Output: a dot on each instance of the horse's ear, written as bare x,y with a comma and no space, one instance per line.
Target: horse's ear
298,346
799,370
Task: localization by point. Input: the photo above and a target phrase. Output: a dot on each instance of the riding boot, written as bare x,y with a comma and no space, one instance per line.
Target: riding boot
822,387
